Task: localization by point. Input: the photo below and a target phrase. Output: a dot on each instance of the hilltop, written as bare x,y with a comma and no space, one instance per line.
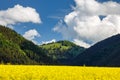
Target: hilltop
63,51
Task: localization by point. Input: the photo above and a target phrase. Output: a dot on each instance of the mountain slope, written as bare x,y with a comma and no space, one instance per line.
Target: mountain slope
15,49
104,53
11,53
62,51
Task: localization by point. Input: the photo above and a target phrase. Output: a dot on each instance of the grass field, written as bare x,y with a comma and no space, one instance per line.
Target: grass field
20,72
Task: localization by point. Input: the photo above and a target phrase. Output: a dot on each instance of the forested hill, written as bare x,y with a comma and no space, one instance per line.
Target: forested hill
62,51
14,49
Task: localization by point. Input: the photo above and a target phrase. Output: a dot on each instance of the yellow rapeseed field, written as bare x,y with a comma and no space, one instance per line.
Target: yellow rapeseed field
20,72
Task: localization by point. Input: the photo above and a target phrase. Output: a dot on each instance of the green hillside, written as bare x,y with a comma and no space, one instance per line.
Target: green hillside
11,52
62,51
15,49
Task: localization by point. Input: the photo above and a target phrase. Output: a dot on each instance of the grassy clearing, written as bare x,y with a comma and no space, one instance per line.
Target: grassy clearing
20,72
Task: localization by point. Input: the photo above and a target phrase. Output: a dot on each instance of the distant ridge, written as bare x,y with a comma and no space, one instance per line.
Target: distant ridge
104,53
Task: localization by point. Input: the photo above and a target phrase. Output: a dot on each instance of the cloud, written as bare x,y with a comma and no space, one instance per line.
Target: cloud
55,17
19,14
31,35
51,41
84,26
81,43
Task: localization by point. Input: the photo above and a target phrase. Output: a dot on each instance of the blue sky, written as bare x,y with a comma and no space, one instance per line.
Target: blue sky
52,14
47,10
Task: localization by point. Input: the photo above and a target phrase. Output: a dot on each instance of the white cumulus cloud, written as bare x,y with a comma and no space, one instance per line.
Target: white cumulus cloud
31,35
19,14
51,41
81,43
84,24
